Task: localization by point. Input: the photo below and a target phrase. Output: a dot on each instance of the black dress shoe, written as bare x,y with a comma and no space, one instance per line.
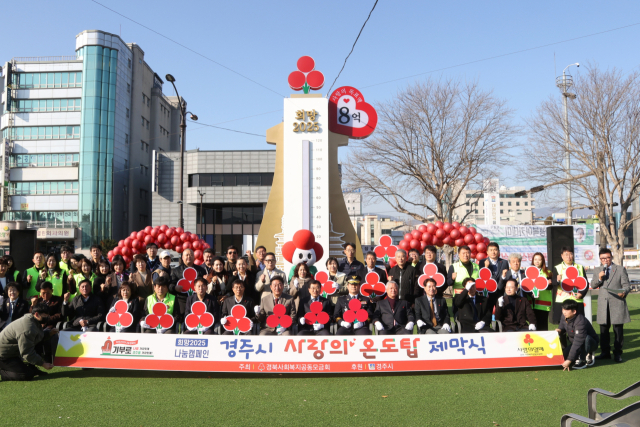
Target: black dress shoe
603,356
618,358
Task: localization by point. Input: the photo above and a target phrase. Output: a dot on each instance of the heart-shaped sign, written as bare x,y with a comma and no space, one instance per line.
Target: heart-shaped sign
356,121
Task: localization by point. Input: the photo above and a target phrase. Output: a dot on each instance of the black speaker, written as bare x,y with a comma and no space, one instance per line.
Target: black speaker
22,245
558,237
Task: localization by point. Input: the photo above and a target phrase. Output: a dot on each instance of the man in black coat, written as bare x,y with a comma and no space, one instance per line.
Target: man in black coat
582,338
239,298
12,307
393,316
356,327
430,257
474,311
432,313
85,311
370,260
349,265
315,328
187,261
514,310
405,276
201,295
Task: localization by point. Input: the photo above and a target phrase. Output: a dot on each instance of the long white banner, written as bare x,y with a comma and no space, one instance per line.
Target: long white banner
296,354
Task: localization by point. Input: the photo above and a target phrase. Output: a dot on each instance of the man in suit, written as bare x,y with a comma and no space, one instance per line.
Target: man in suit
269,301
431,257
404,275
315,288
342,306
513,271
370,266
474,313
493,262
349,265
393,316
432,313
263,279
613,282
12,307
238,298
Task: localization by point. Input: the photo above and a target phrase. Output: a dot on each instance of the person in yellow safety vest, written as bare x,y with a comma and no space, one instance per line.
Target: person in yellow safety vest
12,272
458,271
567,261
31,275
86,273
66,252
55,275
542,304
161,294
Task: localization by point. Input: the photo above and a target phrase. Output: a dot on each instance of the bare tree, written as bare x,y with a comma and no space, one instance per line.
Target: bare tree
604,145
433,140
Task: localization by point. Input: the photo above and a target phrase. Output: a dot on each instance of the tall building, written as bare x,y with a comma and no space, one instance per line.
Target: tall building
353,201
78,135
513,210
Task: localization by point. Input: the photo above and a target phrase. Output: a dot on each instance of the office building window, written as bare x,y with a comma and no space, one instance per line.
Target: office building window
517,203
42,132
128,88
126,138
126,164
501,211
46,80
43,160
501,203
46,105
129,62
52,219
43,187
230,179
225,225
148,102
141,169
127,113
526,203
509,204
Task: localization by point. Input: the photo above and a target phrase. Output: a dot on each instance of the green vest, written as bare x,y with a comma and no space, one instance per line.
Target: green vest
462,273
545,298
57,283
79,278
64,266
15,275
561,270
169,300
35,274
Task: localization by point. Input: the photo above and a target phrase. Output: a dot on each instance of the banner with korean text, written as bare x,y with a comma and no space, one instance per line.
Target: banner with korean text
303,354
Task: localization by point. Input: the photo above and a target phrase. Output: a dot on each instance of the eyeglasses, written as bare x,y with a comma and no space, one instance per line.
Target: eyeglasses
604,258
232,253
269,260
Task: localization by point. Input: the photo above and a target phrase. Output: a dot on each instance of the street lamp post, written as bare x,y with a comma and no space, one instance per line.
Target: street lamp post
183,135
201,214
564,83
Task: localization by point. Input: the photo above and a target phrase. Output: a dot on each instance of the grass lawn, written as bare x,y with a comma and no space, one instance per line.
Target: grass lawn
483,398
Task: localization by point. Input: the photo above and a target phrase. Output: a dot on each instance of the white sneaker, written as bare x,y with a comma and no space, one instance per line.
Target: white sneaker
590,359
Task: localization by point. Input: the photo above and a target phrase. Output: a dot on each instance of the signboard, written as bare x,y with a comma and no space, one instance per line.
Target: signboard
56,233
24,206
492,202
297,354
583,234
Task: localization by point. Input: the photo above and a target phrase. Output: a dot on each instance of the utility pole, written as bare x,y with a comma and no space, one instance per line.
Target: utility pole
564,83
201,214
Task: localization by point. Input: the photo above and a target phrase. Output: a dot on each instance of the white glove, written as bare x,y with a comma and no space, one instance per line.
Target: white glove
335,285
479,325
318,326
296,283
532,327
280,330
144,325
206,328
379,326
501,301
345,325
469,285
84,329
446,327
421,323
250,325
256,309
409,326
112,310
358,325
192,329
223,321
303,320
162,330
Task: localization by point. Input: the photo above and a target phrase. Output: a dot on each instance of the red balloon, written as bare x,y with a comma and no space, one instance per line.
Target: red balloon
133,235
404,245
479,237
117,250
422,228
431,229
423,245
436,242
439,224
170,232
140,235
186,245
164,227
440,234
473,255
121,243
178,249
472,246
427,238
127,260
194,238
197,254
179,230
135,244
198,262
486,241
468,239
135,251
416,235
459,242
408,237
148,229
110,255
148,239
197,245
463,230
168,245
155,232
392,262
447,241
447,227
126,251
481,247
415,244
206,246
455,224
175,240
185,236
472,230
455,234
481,256
162,238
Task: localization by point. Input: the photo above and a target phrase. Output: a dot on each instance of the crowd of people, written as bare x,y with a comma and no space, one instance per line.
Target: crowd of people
76,293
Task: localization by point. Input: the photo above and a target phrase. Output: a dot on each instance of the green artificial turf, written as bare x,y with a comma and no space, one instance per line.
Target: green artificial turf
482,398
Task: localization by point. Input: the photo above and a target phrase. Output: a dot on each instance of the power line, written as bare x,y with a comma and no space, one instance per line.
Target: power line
352,47
189,49
505,54
230,130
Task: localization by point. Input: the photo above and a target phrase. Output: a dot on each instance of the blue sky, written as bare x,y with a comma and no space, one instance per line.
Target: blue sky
263,40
